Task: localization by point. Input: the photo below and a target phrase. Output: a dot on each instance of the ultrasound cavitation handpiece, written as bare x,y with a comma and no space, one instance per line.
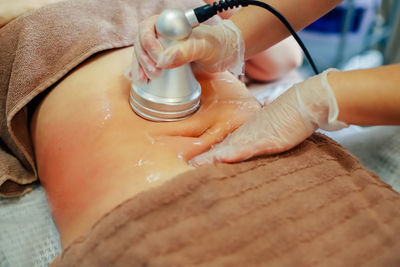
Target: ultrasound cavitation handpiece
175,93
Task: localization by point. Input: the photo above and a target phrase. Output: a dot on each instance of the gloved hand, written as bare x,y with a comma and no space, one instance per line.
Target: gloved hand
281,125
212,49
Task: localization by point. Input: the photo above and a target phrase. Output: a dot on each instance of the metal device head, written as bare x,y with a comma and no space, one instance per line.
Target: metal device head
175,93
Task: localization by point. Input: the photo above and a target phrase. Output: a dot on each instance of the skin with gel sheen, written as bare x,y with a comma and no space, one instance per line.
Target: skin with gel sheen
93,152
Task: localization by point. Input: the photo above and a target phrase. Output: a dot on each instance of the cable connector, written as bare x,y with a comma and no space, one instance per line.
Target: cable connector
229,4
206,12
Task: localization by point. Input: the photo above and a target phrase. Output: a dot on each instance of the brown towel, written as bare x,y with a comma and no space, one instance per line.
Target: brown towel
313,206
42,46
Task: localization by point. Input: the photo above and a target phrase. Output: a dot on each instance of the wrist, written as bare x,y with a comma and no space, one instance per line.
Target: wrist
317,102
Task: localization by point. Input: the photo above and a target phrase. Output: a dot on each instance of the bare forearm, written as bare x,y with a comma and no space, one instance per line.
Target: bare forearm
261,29
368,97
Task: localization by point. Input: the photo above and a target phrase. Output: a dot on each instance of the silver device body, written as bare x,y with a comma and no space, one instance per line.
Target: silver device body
175,94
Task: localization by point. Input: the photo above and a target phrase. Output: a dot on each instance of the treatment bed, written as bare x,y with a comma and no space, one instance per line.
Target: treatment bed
298,208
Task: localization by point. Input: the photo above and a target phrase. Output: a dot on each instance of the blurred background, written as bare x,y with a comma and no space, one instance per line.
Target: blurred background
356,34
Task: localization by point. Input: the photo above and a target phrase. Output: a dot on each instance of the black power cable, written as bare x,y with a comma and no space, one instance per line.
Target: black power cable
205,12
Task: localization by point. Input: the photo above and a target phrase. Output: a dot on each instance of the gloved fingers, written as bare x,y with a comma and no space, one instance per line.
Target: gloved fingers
146,63
227,154
136,73
181,53
235,152
212,49
142,75
148,38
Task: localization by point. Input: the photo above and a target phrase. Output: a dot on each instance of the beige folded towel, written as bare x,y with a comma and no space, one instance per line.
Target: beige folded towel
41,47
313,206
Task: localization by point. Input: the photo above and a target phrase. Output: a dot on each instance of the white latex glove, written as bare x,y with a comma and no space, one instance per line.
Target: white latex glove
281,125
212,49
